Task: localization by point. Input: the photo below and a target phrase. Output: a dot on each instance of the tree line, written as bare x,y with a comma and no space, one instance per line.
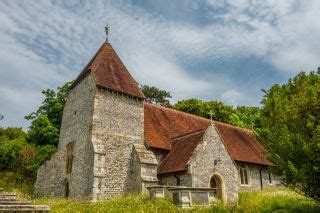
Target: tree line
287,123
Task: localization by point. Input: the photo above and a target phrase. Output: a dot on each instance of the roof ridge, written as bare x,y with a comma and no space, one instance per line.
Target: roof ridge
168,108
197,116
125,67
187,134
110,73
238,127
86,69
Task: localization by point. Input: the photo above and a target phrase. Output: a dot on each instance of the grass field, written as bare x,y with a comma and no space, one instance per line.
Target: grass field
279,200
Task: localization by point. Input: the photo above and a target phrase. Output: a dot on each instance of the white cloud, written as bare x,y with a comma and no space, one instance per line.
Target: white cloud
285,33
46,43
233,97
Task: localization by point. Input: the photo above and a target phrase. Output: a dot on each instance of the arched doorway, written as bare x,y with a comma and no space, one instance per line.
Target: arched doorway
216,182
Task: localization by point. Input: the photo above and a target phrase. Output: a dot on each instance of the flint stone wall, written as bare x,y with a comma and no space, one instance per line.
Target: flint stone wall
171,180
202,165
117,126
76,128
46,178
254,178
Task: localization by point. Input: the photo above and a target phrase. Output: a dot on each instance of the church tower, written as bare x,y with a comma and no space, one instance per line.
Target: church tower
103,119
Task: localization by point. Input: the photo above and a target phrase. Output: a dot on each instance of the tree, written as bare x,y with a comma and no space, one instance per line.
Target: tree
290,130
249,116
17,155
1,116
46,121
156,95
220,111
43,132
192,106
12,140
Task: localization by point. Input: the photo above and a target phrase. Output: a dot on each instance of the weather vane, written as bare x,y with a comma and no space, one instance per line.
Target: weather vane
106,30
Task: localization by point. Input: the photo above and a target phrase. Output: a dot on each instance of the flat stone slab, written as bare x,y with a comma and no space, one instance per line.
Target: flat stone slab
6,195
8,200
14,202
33,208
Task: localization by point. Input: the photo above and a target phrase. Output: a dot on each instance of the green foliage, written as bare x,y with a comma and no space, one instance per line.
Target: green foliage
17,155
275,200
193,106
46,121
12,133
12,181
53,104
249,116
10,148
31,158
43,132
254,202
243,116
24,153
156,95
290,121
1,116
130,203
221,112
281,199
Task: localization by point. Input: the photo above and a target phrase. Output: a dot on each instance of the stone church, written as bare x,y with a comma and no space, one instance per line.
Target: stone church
113,142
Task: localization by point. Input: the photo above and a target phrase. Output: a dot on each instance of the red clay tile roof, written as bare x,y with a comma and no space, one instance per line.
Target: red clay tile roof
110,73
163,126
182,149
241,144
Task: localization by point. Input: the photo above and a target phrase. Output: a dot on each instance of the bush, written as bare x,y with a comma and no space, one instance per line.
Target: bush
10,151
43,132
17,155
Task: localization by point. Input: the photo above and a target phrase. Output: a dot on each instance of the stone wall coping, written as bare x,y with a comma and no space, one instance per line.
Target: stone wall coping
179,188
156,187
24,208
8,193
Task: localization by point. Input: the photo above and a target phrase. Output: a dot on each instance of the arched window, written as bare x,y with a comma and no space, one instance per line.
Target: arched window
69,156
244,175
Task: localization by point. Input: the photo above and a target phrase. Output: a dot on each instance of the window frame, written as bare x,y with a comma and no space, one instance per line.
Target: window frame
244,171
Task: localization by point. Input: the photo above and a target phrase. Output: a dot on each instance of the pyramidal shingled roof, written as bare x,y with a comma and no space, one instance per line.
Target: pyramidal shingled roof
110,73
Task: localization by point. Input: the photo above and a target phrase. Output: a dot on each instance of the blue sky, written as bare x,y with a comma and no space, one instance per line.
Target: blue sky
226,50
